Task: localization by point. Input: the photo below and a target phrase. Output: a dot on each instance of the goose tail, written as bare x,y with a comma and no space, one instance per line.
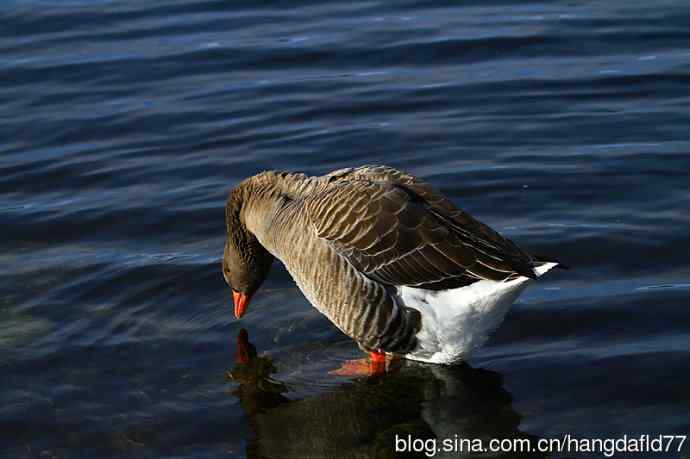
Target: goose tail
544,264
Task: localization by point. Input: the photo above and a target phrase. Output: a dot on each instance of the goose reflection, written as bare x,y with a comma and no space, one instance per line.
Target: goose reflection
364,417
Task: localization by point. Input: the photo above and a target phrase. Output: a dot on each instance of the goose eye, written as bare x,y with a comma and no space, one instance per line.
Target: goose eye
226,273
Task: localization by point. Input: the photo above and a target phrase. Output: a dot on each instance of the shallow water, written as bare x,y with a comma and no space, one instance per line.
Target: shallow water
123,125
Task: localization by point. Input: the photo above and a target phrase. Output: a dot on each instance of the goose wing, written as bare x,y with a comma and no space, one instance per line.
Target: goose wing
397,230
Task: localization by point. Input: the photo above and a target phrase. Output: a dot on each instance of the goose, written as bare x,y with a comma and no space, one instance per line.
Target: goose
390,261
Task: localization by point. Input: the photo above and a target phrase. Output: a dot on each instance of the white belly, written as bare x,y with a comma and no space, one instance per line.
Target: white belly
456,322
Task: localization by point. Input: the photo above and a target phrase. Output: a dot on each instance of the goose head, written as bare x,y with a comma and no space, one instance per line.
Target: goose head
246,262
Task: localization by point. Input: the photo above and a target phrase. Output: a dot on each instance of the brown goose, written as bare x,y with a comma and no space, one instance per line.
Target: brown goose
388,259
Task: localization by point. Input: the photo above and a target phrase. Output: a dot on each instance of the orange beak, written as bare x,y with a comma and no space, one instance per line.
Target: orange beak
241,301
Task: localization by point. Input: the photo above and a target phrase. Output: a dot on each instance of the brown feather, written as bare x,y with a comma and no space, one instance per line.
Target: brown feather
406,233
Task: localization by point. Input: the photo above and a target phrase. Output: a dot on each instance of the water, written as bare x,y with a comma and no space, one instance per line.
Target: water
123,125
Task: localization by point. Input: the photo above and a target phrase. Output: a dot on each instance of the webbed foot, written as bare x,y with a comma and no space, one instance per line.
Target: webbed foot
375,365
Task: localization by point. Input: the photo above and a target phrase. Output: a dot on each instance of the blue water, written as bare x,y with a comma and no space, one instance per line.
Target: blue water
124,124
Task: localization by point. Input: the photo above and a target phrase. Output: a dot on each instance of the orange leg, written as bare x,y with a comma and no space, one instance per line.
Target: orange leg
374,366
377,363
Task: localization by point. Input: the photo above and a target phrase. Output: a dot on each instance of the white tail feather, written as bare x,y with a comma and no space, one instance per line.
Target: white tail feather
456,322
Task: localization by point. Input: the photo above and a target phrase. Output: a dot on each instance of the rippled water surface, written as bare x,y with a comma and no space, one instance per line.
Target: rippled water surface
123,125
